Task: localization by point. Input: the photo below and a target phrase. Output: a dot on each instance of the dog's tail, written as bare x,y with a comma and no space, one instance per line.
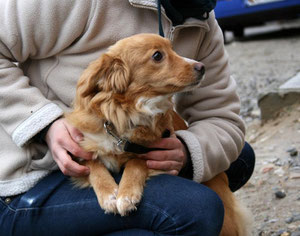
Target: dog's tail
245,218
237,219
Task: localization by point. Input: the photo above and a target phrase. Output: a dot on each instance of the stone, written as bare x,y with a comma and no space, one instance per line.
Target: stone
296,233
280,194
271,104
280,172
294,218
289,220
292,85
267,168
285,234
282,232
295,175
293,152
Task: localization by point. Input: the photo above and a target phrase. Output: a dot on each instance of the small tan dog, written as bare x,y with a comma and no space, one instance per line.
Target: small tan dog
123,103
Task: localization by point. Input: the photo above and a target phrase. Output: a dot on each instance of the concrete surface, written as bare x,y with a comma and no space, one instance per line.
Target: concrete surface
292,85
272,103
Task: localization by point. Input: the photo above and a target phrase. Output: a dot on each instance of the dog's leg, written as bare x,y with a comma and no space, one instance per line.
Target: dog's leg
131,186
104,186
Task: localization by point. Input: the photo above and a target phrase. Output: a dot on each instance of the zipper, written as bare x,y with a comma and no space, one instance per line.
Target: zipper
155,9
173,29
171,33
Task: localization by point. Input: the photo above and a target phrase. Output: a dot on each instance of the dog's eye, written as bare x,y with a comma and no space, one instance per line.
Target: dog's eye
157,56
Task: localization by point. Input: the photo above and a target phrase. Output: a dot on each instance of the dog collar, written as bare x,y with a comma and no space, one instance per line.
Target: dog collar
125,145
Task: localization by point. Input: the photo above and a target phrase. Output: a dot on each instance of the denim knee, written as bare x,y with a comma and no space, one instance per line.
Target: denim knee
183,207
213,215
205,213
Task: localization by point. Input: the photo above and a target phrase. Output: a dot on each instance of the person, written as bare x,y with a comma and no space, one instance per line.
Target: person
44,47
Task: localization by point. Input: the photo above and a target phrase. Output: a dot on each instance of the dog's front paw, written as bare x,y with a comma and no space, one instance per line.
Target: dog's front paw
127,203
108,202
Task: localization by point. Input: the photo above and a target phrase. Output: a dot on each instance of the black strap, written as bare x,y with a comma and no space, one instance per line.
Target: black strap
140,149
161,30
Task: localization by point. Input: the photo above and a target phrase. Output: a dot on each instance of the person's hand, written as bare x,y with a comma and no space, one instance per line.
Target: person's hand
171,160
62,139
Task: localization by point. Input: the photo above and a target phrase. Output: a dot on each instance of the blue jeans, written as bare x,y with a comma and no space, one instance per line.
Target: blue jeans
170,205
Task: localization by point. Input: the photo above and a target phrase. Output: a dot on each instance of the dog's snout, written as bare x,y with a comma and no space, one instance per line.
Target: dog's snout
199,67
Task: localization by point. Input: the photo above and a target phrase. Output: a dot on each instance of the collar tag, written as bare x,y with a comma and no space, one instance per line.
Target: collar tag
109,130
126,146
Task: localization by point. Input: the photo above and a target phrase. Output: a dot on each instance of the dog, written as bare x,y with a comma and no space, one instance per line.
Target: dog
123,104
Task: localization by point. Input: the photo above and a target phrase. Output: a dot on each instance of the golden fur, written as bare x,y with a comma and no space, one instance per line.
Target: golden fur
131,87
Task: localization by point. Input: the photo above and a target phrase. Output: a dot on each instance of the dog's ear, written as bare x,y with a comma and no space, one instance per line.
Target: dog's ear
107,73
88,82
116,76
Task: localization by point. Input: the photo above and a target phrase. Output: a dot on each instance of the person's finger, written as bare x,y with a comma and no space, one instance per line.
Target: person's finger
165,155
75,134
166,143
68,166
76,150
172,172
72,146
164,165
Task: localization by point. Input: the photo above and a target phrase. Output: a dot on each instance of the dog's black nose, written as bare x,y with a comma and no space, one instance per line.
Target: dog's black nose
202,70
199,67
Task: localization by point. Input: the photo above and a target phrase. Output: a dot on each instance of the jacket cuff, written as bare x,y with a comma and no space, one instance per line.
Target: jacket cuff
195,151
35,123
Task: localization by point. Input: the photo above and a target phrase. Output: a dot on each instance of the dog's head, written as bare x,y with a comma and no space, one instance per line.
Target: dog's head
137,74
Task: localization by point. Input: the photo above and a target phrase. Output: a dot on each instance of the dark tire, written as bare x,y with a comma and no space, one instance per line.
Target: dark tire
238,32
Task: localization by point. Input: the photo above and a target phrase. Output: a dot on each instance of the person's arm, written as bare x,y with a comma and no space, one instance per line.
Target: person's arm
32,30
215,135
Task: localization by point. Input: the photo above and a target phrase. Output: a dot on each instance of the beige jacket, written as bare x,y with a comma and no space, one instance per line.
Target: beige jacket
53,41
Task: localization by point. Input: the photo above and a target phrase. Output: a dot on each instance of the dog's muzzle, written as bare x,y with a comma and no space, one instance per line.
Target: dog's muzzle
198,67
200,70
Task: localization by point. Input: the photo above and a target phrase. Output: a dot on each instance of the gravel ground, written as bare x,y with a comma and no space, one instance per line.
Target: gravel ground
261,63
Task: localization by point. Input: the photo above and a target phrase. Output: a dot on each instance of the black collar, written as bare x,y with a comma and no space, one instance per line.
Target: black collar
127,146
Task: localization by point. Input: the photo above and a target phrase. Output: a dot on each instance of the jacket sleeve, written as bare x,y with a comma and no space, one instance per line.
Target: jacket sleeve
32,30
215,136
